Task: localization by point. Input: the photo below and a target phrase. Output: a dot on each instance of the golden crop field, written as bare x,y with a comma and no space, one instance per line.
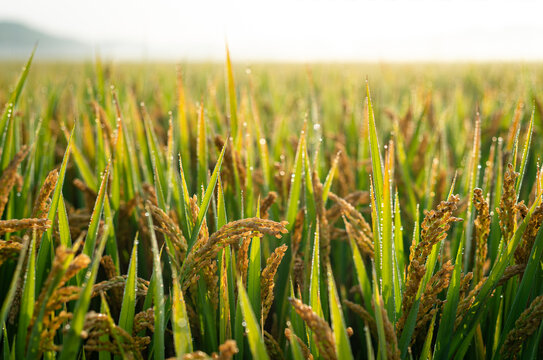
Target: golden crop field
271,211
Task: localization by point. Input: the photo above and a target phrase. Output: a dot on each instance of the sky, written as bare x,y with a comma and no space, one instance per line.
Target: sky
297,30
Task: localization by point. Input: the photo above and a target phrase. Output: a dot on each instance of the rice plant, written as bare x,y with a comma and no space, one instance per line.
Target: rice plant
282,212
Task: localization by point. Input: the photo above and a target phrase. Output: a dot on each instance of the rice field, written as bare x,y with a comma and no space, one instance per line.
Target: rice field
271,211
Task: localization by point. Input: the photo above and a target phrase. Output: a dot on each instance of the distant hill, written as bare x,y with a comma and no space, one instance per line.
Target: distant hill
18,40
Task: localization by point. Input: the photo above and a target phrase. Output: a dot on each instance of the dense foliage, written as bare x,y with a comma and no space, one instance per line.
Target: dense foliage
278,212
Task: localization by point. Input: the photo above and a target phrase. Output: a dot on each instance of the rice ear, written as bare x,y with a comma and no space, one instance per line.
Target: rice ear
9,226
526,325
266,203
205,250
267,279
433,230
8,178
508,210
322,333
41,205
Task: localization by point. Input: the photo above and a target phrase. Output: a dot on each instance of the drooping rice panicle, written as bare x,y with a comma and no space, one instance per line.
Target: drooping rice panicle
9,178
41,205
526,325
203,252
9,226
322,333
243,259
353,199
9,249
467,299
522,253
166,225
118,283
267,282
266,203
144,320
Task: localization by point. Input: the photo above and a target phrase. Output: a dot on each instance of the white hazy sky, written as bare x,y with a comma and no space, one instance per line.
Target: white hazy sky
298,30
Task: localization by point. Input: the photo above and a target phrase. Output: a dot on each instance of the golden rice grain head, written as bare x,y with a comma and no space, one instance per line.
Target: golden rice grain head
41,205
511,271
266,203
522,253
467,301
166,225
13,225
8,178
525,326
144,320
354,199
364,243
508,210
78,263
433,230
243,259
322,333
8,250
267,282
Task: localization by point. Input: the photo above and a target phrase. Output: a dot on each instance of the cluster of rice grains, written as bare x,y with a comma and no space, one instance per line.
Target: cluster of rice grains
185,235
